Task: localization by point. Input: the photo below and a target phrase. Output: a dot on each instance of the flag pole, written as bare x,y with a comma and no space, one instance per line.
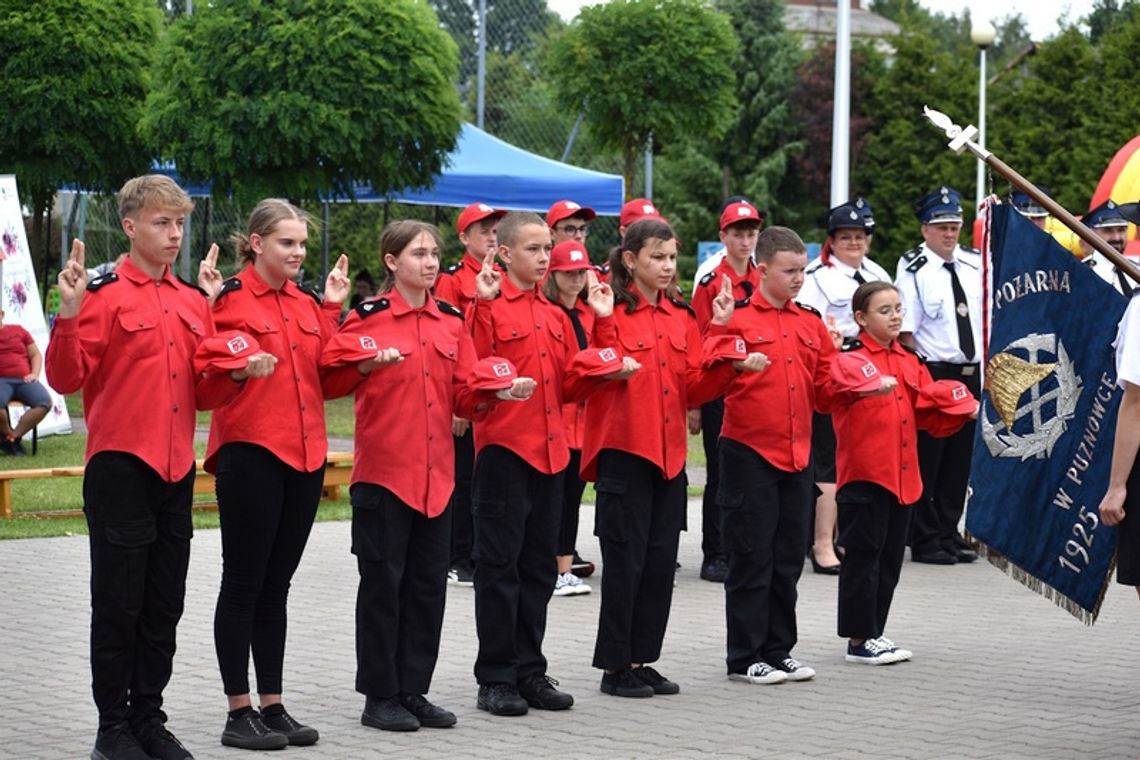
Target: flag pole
963,140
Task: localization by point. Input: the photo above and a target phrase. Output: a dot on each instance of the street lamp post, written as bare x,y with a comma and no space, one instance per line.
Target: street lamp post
982,34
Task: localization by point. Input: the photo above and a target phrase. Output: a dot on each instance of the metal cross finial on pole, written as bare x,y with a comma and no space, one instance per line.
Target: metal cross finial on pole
962,139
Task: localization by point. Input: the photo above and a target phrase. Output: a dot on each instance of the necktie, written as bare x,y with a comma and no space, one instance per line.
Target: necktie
859,278
962,312
576,321
1125,286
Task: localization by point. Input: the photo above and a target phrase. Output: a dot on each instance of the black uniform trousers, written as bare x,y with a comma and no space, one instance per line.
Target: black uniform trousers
402,557
266,510
140,530
639,518
765,513
872,532
462,526
572,489
712,418
517,512
945,467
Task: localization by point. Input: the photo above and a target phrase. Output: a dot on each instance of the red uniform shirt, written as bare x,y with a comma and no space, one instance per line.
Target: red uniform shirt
876,436
403,411
770,412
524,327
456,284
646,414
574,413
284,412
14,360
743,286
131,350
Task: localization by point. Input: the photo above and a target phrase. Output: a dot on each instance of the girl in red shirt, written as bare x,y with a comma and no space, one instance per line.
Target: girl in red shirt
267,449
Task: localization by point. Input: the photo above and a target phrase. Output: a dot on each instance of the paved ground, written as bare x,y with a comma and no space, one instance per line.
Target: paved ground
998,672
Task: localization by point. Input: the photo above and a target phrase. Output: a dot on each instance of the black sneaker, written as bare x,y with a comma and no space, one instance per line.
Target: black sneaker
246,731
501,699
18,447
159,743
388,715
580,567
714,569
117,743
6,447
426,713
462,574
623,683
659,683
276,719
539,692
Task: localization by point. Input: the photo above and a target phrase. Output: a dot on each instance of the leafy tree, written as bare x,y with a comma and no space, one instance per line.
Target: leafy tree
1106,15
641,67
75,80
303,98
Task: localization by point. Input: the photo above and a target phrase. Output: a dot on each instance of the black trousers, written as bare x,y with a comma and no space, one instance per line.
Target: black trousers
572,489
462,524
639,518
944,464
140,530
872,532
712,418
517,512
266,509
765,524
402,556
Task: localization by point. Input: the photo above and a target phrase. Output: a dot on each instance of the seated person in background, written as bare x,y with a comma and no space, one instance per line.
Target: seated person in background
20,365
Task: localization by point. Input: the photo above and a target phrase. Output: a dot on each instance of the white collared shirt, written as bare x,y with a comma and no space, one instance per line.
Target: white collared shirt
829,289
1108,272
928,299
707,266
1128,362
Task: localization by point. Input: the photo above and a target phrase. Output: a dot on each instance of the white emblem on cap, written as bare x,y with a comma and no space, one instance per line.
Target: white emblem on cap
576,255
485,208
502,369
854,215
367,343
740,347
959,393
607,355
648,209
572,204
743,211
237,345
869,370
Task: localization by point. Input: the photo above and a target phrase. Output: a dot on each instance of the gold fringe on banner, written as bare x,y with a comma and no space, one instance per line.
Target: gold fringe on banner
1033,583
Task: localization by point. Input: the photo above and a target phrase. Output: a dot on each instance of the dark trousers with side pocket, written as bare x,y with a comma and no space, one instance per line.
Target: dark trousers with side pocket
872,532
639,518
402,556
140,531
765,520
517,511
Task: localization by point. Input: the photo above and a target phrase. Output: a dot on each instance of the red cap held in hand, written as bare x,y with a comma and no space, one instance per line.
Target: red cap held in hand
225,351
595,362
947,396
492,374
853,371
349,348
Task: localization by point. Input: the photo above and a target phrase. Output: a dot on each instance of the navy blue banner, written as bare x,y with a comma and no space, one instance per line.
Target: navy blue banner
1044,438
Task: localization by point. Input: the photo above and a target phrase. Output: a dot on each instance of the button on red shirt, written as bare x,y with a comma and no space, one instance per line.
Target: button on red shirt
131,350
770,411
876,437
743,286
277,412
645,415
403,436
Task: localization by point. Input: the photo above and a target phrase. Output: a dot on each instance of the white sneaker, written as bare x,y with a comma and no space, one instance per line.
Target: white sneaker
871,652
569,584
760,673
902,654
796,670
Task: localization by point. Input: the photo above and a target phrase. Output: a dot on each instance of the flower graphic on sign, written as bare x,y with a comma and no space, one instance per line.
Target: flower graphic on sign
10,242
18,296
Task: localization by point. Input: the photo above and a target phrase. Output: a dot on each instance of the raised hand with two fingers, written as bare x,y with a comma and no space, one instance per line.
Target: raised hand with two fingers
72,281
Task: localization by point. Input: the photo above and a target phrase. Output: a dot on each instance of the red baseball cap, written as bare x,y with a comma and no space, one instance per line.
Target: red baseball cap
566,209
854,371
569,256
476,212
595,362
947,396
638,208
349,348
225,351
731,347
492,374
742,211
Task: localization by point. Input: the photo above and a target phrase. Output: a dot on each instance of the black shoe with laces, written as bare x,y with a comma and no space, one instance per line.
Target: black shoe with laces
245,730
117,743
501,699
623,683
276,719
539,692
387,714
659,683
159,743
429,715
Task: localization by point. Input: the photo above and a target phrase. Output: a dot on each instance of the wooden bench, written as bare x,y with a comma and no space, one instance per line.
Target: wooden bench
338,472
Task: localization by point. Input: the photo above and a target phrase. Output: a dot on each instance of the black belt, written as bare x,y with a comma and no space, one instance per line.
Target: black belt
965,370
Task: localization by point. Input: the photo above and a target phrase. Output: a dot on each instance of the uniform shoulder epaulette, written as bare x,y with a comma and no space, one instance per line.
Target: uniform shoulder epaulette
101,280
809,308
916,264
974,251
814,266
194,285
852,345
603,268
913,253
229,286
447,308
366,309
308,290
921,358
707,278
682,304
453,268
1090,262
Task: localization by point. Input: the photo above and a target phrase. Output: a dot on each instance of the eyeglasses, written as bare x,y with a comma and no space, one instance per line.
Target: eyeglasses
573,230
888,311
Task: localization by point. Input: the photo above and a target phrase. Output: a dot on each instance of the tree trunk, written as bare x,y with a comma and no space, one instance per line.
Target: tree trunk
629,153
